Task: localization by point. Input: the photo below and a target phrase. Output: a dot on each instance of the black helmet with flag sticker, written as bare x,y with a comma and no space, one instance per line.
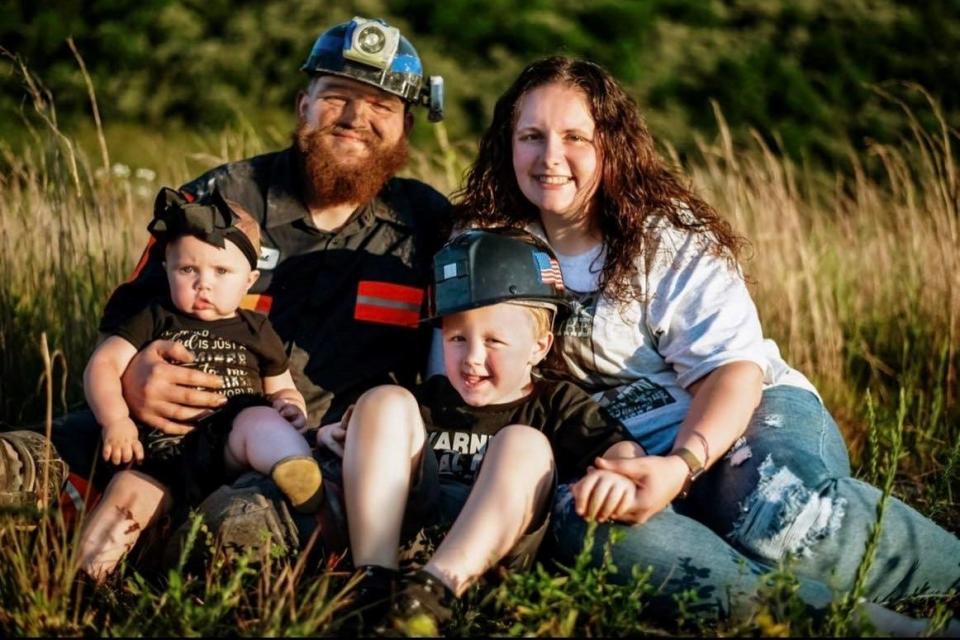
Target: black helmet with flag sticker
483,267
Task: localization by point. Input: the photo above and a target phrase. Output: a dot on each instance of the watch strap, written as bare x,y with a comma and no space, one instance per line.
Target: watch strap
693,464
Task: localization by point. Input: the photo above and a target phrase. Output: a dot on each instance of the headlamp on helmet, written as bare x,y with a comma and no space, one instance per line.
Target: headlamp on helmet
371,42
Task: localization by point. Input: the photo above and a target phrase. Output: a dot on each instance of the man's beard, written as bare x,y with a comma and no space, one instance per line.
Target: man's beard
332,182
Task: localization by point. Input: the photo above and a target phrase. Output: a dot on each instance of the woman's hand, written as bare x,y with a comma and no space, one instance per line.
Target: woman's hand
166,396
658,480
333,435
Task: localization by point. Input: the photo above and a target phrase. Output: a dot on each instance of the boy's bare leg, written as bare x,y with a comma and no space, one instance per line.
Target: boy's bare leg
131,503
260,438
513,485
385,438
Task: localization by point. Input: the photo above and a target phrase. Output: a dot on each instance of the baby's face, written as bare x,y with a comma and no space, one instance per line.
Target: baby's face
488,353
207,282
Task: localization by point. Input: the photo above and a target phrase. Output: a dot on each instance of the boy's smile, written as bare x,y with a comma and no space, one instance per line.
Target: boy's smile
488,353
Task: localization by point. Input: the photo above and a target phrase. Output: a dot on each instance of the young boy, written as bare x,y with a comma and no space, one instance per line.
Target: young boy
501,439
211,251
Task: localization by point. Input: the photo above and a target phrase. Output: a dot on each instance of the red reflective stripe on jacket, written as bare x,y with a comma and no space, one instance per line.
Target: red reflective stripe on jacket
390,291
388,303
384,315
77,495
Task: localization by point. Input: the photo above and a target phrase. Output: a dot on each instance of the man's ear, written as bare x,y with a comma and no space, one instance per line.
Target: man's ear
407,122
541,348
301,104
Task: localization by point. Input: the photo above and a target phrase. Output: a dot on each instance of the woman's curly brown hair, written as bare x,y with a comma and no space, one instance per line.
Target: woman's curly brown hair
635,183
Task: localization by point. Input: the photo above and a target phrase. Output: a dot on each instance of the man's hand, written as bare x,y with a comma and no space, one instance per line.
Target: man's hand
659,480
602,495
166,396
121,442
333,435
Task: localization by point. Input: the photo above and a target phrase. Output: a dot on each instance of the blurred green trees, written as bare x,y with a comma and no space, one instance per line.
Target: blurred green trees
799,71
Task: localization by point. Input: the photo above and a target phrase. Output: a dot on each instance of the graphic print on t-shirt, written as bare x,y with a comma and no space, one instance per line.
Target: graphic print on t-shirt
232,361
575,356
579,323
637,398
459,454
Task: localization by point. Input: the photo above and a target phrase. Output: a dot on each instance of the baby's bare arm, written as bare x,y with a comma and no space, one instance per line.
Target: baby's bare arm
104,393
286,399
101,380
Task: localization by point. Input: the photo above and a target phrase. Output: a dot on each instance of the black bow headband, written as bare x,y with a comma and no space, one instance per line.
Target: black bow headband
211,220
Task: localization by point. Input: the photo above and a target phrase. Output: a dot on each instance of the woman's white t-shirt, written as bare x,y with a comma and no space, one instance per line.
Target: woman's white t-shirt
690,314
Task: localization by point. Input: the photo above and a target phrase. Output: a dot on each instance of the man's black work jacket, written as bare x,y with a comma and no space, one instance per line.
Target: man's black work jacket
346,303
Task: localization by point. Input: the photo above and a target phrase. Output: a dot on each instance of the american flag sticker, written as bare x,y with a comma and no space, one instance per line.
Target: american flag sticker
549,269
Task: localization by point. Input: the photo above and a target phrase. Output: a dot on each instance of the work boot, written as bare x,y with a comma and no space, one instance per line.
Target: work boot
422,606
370,600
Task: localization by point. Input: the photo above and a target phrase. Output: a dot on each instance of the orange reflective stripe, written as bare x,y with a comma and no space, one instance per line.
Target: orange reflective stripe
259,302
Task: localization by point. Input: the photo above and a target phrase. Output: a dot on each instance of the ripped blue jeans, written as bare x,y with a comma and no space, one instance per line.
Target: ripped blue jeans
784,490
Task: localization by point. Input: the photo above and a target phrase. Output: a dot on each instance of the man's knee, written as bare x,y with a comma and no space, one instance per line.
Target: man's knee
249,516
31,472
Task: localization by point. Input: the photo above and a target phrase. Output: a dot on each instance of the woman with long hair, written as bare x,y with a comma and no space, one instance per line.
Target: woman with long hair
745,468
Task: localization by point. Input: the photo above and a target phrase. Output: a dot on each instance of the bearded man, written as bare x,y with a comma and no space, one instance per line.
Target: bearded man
345,259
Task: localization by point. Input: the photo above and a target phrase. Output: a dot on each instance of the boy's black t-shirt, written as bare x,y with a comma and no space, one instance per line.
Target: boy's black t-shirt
242,350
577,427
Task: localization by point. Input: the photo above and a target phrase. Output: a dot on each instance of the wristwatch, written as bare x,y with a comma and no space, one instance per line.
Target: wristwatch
695,466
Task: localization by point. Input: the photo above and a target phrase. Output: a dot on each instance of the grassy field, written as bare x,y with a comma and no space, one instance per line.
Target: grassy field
856,276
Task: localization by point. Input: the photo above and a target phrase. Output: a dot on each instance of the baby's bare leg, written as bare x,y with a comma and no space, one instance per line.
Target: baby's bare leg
260,438
131,503
385,439
513,485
